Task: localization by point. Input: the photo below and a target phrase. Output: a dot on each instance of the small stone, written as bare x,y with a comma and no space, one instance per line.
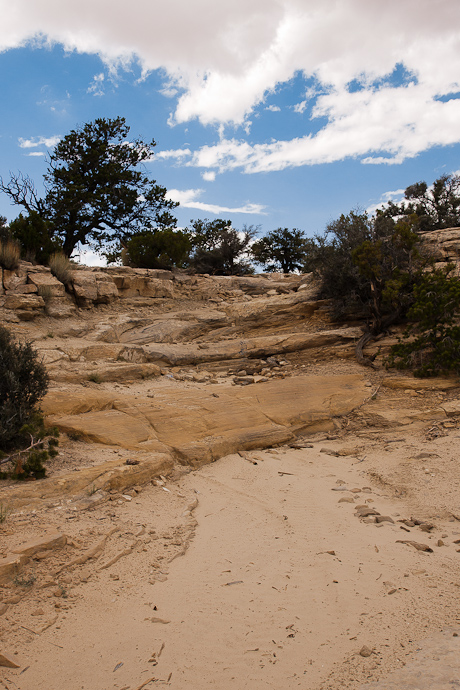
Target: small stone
347,499
13,600
384,518
392,591
355,491
440,542
38,612
7,663
3,609
365,651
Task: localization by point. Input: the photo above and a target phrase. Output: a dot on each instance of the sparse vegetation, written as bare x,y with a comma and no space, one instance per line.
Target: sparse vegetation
4,512
94,378
25,443
61,267
10,254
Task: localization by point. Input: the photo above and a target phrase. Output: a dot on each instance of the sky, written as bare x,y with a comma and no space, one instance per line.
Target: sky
271,113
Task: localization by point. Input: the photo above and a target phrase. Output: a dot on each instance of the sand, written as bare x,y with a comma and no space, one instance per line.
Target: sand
267,580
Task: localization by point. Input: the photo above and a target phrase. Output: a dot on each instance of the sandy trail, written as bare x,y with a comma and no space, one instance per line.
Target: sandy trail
256,601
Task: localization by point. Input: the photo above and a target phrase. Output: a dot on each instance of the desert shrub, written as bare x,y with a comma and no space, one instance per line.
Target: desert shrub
24,441
431,343
10,253
61,267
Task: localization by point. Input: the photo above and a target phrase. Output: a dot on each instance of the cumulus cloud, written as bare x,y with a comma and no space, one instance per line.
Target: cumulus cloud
188,198
209,176
38,141
221,60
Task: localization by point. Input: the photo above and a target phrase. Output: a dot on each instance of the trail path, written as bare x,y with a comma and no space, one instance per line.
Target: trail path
281,587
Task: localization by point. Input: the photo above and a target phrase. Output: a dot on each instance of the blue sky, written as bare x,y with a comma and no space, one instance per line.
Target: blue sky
269,112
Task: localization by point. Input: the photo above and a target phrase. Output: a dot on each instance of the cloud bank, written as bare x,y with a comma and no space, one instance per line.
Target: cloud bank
188,198
387,75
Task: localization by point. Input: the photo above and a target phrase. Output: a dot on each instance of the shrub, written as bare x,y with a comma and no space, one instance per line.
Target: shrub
61,267
432,343
10,253
24,440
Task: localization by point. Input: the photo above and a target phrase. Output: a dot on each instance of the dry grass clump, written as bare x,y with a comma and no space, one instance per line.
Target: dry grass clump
10,253
61,267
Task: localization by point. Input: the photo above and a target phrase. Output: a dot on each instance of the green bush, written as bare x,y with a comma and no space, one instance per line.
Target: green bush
24,440
431,344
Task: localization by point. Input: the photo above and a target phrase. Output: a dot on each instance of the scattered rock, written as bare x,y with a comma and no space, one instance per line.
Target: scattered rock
365,651
7,663
416,545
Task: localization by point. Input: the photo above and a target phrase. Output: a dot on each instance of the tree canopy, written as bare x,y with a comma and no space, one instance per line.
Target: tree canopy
220,249
282,249
435,207
96,190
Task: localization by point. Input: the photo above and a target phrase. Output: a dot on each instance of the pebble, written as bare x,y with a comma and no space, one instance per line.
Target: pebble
38,612
365,651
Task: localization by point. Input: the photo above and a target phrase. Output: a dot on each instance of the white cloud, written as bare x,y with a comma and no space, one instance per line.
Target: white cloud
177,153
219,70
35,153
96,86
209,176
188,199
38,141
273,108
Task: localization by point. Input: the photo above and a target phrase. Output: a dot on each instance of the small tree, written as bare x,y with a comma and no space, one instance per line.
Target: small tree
219,249
35,237
23,383
164,249
431,345
96,189
436,207
281,249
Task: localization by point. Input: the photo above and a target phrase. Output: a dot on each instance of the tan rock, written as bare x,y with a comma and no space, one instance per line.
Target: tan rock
24,302
10,566
7,662
200,428
12,279
410,383
51,541
47,282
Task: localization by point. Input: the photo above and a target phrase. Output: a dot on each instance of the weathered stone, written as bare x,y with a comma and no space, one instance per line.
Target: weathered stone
47,282
24,302
10,566
85,287
53,541
12,279
410,383
200,429
7,662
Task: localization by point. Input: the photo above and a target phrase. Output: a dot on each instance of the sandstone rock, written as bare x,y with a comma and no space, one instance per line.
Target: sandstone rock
61,308
47,282
7,662
200,429
365,651
410,383
51,541
260,347
24,302
28,289
10,566
12,279
3,608
84,287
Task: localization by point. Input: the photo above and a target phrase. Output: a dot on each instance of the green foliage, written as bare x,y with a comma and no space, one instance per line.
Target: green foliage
23,383
432,342
163,249
35,237
436,207
25,443
96,190
219,249
281,249
10,254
